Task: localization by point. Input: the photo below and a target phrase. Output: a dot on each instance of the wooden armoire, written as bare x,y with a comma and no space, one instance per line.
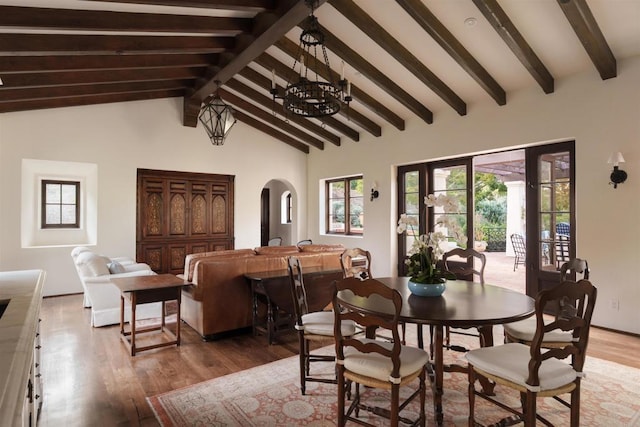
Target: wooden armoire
180,213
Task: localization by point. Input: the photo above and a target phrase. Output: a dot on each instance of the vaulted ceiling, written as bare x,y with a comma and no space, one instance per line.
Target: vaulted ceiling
406,59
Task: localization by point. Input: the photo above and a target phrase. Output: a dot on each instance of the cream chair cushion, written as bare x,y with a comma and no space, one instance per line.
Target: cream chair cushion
511,362
525,330
377,366
321,323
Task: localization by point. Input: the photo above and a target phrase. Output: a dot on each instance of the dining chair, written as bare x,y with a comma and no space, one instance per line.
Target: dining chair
304,242
519,249
275,241
465,264
311,326
524,330
356,262
536,371
374,363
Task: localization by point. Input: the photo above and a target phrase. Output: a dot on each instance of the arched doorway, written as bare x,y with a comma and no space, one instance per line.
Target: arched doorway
277,216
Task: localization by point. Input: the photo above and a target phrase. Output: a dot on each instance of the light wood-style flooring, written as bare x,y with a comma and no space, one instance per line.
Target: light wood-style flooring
90,379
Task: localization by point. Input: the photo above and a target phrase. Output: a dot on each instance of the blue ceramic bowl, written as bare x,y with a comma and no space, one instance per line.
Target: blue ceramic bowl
427,289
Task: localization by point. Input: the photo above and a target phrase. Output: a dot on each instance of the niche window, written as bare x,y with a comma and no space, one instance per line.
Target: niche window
345,206
60,204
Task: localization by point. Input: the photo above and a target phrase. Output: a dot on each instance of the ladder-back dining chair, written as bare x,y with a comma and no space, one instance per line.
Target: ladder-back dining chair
536,371
524,330
374,363
310,326
466,264
356,262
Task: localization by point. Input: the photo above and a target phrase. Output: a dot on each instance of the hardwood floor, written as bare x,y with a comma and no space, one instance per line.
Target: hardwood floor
90,380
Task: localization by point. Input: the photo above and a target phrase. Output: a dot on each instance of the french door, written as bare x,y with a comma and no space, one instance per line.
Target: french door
453,178
547,218
551,225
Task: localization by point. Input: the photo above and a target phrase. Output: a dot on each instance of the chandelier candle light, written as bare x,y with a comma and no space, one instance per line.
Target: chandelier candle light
426,277
310,96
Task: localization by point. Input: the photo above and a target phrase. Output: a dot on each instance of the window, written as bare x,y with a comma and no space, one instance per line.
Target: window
60,204
289,209
345,206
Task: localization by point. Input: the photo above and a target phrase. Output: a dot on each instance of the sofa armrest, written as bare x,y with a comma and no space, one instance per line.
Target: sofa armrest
108,277
139,266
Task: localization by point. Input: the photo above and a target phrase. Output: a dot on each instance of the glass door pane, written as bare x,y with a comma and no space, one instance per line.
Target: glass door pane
452,181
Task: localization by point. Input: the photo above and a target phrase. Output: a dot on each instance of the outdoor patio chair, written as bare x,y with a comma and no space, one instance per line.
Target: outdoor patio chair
520,250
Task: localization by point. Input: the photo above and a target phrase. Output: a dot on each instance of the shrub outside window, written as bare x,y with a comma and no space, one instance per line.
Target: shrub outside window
60,204
345,206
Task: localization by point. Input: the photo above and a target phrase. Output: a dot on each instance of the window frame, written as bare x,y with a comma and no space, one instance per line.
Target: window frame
44,203
347,206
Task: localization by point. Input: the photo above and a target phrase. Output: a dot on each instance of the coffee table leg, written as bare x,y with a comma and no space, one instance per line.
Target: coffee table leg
178,300
132,323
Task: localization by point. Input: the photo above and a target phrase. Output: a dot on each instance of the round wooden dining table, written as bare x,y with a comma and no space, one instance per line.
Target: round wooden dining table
463,304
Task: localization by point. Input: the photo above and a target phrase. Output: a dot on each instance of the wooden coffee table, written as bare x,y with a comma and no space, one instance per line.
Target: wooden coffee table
148,289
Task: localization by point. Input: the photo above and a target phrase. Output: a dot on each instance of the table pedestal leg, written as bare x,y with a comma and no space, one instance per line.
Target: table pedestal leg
436,373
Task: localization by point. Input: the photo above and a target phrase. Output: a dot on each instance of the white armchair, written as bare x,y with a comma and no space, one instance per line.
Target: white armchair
103,297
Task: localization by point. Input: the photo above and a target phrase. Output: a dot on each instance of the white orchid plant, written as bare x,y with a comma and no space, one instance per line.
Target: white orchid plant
427,249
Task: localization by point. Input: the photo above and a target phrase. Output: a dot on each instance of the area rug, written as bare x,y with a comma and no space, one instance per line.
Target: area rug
269,395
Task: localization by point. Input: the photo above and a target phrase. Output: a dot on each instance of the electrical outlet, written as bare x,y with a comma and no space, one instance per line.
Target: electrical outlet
614,304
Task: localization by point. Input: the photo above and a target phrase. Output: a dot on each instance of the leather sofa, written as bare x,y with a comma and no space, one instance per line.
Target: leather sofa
220,303
103,297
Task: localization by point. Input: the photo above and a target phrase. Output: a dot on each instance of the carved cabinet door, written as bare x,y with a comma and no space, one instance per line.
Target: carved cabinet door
179,213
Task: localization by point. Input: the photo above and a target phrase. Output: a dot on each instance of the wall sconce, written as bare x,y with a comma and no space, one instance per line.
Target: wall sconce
374,191
618,176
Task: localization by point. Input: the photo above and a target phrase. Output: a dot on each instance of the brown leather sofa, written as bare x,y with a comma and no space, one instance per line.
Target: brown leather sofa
219,303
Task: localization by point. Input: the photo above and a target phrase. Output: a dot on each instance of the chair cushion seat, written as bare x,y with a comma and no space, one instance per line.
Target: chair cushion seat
377,366
511,362
525,330
321,323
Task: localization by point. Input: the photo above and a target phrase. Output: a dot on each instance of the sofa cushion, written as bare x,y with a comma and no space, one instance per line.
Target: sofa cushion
321,248
276,250
191,259
115,267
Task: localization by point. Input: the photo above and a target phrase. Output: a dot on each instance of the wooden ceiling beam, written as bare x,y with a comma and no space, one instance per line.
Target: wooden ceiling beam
394,48
291,49
66,78
263,127
428,21
356,61
267,28
270,63
516,42
255,6
66,44
244,105
6,107
34,93
329,121
46,64
586,28
267,102
101,20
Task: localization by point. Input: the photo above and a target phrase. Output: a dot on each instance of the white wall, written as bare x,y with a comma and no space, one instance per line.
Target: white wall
601,116
120,138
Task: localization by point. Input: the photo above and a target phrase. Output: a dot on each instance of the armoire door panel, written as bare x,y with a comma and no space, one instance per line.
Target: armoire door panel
179,213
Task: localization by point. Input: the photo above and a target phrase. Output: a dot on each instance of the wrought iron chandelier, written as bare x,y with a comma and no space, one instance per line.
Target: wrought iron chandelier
217,119
310,97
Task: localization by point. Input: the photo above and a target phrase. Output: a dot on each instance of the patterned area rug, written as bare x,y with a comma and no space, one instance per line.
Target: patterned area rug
269,395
